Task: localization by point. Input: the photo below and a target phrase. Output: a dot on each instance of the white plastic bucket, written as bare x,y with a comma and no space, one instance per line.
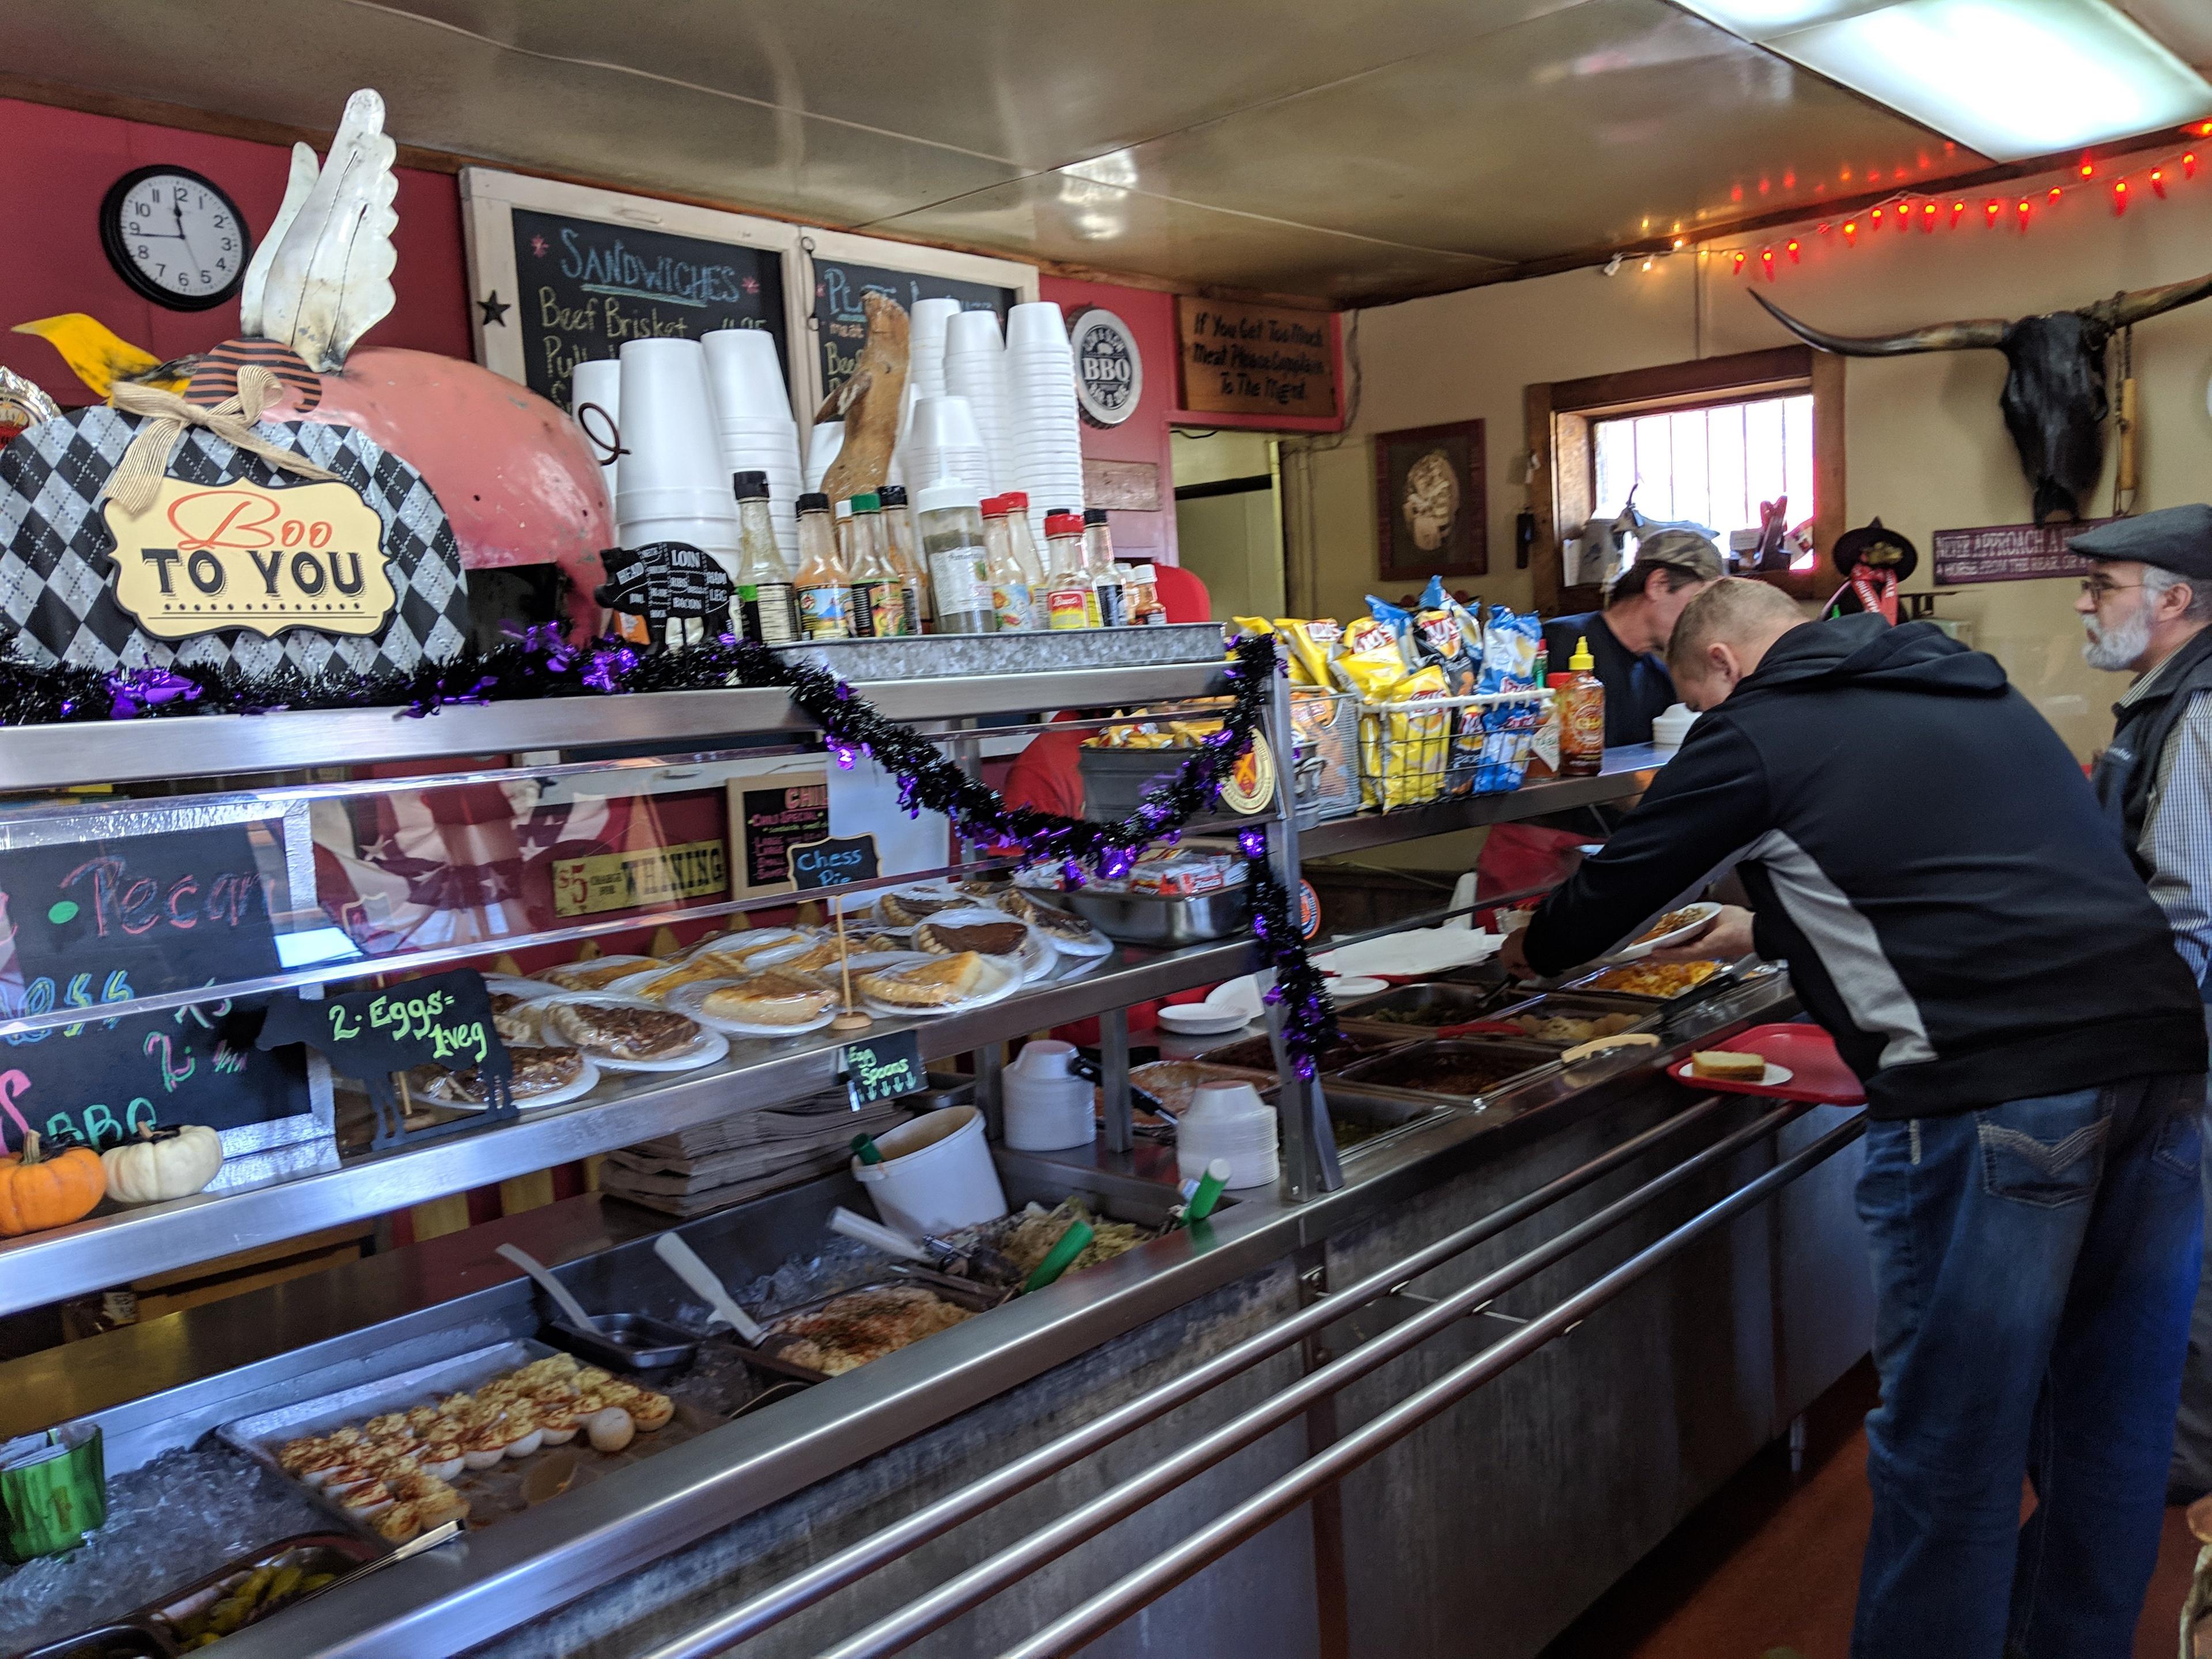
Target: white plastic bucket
936,1176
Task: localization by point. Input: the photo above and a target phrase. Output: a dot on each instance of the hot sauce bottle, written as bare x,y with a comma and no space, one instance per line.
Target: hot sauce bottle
1582,716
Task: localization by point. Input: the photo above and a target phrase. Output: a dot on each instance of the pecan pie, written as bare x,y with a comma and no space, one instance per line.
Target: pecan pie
620,1032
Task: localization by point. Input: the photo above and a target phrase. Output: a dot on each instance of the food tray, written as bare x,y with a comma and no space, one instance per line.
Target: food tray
1725,979
1162,920
511,1486
978,1299
1030,651
117,1641
626,1342
1579,1004
1255,1055
1817,1071
1363,1122
1398,1072
1438,1002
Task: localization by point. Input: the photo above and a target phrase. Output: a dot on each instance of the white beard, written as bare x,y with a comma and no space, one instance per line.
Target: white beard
2119,647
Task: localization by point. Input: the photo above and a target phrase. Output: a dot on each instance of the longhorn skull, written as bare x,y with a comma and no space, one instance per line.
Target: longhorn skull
2054,398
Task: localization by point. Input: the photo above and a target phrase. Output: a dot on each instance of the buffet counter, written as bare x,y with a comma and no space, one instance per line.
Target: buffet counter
1509,1512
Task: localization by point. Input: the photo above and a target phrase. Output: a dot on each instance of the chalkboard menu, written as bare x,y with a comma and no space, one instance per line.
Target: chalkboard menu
585,288
100,920
841,326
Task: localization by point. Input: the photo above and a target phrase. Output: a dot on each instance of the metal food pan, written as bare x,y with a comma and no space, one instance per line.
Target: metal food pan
1580,1005
1244,1053
1397,1073
1376,1119
1160,919
1703,989
334,1553
117,1641
1439,1002
977,1298
626,1342
507,1488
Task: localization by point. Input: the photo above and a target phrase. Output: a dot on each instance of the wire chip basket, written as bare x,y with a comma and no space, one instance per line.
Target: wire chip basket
1433,747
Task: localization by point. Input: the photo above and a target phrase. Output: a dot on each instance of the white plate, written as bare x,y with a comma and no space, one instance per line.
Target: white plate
1097,945
530,990
1356,985
704,1050
1201,1019
584,1083
1774,1077
687,1000
637,964
1068,968
1036,957
953,897
1701,913
1002,977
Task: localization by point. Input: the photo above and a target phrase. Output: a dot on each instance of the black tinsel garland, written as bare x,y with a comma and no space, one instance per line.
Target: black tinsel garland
540,663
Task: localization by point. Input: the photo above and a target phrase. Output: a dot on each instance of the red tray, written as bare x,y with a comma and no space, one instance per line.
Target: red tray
1817,1071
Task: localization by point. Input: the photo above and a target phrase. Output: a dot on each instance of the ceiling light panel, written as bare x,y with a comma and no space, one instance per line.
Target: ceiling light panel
2010,79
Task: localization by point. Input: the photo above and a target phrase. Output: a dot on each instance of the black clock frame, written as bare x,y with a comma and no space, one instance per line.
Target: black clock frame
115,244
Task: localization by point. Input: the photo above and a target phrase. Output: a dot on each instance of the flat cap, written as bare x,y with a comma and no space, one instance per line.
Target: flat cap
2176,539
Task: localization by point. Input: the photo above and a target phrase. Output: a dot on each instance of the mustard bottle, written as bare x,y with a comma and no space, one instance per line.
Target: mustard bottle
1582,716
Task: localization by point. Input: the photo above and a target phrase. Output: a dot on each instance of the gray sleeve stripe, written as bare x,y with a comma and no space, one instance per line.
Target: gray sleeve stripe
1848,947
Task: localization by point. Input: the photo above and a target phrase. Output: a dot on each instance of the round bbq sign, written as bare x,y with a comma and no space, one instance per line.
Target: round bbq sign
1109,373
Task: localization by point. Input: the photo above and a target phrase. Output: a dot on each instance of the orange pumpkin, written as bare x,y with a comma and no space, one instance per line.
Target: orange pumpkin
37,1192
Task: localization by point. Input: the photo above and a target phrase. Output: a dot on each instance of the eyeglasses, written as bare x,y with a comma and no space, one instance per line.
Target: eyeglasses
2099,589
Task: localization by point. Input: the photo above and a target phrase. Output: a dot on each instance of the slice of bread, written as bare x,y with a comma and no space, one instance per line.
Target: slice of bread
1730,1064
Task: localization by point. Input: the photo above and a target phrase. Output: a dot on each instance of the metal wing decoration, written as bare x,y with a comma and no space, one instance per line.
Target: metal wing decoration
328,280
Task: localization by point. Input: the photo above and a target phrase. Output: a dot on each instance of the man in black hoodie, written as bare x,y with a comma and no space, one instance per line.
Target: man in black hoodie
1926,856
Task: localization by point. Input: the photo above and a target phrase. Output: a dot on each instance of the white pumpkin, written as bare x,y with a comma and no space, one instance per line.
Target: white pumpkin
162,1164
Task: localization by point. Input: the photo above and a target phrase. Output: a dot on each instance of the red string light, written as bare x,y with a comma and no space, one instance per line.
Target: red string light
1993,208
1927,218
2189,165
2158,182
2088,168
2119,196
2023,211
1766,260
1958,212
1791,248
1876,218
1851,233
1740,256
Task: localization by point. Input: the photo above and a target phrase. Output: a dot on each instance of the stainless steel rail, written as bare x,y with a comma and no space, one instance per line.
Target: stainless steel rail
855,1562
1164,1572
907,1625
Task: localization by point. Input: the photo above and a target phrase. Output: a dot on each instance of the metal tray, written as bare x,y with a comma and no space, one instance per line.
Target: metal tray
1449,1004
626,1342
117,1641
338,1553
1580,1005
1724,979
505,1489
1247,1050
1382,1072
979,1298
1376,1119
1157,920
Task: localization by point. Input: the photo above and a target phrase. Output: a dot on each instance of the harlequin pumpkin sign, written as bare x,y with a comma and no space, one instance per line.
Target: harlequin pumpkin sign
245,554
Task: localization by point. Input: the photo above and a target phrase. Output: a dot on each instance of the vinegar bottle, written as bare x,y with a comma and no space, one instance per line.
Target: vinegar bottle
1110,607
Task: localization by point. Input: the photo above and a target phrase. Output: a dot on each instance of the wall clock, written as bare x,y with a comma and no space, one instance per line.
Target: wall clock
175,237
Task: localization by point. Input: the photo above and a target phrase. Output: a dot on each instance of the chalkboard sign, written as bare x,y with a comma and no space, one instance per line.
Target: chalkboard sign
883,1068
442,1019
663,580
842,327
585,288
97,921
770,815
833,862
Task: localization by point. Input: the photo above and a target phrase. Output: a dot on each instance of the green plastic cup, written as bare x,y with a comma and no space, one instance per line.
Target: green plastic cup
54,1491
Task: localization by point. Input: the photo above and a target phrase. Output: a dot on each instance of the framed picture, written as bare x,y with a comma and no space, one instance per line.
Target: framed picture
1433,516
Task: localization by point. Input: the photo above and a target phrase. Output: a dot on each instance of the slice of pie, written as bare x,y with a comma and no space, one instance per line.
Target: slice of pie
770,998
1058,924
818,958
904,909
514,1018
990,938
594,976
925,984
535,1072
708,964
622,1033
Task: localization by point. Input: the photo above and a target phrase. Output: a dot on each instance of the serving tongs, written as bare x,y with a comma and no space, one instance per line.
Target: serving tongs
979,1261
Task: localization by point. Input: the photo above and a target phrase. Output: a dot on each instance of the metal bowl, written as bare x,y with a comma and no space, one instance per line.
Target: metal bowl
1157,920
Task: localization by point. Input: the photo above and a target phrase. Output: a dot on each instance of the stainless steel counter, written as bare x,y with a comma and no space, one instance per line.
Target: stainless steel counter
604,1568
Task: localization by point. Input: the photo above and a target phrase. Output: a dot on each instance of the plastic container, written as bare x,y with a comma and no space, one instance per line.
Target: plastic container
950,526
1582,716
1229,1122
936,1175
1048,1107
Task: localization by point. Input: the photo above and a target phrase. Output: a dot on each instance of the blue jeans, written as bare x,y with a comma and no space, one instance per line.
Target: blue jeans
2034,1265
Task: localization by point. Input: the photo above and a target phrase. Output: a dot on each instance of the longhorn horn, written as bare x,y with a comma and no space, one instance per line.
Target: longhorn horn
2144,303
1986,333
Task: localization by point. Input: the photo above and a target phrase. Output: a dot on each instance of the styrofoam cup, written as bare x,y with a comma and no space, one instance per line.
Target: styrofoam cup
925,344
745,375
668,427
936,1177
1034,322
945,422
822,447
598,383
971,330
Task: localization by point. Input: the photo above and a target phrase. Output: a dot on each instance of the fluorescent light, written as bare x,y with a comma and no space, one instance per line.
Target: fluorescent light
2009,78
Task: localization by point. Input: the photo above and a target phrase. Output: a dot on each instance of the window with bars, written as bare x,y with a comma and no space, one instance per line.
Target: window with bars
1712,466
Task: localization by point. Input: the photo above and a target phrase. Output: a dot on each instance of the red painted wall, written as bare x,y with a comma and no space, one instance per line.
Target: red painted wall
1144,436
56,164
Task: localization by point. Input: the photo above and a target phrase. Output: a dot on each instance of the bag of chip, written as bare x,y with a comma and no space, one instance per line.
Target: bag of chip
1311,645
1399,621
1509,645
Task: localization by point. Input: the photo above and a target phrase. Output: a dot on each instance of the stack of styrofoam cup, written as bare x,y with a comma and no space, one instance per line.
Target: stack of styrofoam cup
975,369
674,485
822,449
597,385
1229,1121
752,410
1044,434
925,378
945,443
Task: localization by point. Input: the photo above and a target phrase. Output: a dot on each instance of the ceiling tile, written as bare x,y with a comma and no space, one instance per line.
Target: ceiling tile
1614,120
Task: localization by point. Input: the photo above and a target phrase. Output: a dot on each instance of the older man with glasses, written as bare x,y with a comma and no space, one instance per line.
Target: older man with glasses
2145,607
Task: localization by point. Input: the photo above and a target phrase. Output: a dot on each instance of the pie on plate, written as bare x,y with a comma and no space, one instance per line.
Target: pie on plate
934,984
535,1072
989,938
515,1019
708,964
906,909
770,998
595,974
620,1032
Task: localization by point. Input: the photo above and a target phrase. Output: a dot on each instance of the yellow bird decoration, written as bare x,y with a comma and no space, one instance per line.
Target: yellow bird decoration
99,357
